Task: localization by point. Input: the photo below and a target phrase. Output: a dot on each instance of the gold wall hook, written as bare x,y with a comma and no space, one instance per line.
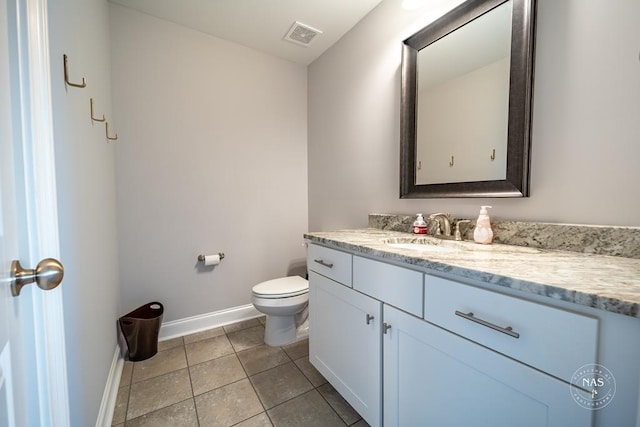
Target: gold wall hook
66,74
93,118
106,132
493,155
451,162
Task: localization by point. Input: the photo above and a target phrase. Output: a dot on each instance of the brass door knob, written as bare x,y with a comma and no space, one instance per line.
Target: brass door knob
48,274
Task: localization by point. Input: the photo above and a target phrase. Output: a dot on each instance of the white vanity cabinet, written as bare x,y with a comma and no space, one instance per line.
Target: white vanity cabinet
435,377
344,342
551,340
474,372
406,348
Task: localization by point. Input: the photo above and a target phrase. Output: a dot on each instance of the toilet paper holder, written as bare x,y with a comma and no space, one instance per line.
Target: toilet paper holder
220,254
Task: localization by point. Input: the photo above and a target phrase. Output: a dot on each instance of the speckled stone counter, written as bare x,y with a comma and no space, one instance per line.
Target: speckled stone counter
610,283
592,239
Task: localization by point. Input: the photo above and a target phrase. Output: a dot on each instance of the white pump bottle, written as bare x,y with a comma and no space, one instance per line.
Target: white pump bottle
483,232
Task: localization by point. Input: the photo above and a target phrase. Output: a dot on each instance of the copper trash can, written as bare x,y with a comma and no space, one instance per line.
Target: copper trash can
140,329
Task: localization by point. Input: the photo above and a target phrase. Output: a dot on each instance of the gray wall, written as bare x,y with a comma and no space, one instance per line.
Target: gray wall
85,173
585,146
212,157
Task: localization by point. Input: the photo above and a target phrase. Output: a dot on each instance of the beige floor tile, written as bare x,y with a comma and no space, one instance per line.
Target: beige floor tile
203,335
162,363
260,420
127,370
298,349
280,384
172,343
181,414
337,402
308,410
261,358
310,371
158,392
228,405
241,325
215,373
212,348
247,338
120,411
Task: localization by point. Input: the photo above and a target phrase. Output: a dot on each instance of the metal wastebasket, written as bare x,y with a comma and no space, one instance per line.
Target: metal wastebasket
140,329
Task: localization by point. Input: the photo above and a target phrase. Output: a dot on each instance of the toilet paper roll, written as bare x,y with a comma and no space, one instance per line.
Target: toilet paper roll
212,259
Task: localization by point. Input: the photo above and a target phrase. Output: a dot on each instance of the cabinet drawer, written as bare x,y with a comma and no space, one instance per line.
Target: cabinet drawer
330,263
397,286
551,339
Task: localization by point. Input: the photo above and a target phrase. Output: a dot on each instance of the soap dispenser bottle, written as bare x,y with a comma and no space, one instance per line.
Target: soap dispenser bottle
483,232
419,225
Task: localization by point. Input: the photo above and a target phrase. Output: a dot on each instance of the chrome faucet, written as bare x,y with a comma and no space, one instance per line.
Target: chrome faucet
445,229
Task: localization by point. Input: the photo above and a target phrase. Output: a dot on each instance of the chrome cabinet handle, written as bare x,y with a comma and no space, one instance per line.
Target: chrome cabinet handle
369,318
321,262
385,328
469,316
47,275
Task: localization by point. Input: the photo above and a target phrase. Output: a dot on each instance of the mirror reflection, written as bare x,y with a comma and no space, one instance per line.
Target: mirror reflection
463,78
465,116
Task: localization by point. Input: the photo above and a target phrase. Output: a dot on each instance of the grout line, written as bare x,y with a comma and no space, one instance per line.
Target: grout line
126,410
193,397
248,378
332,408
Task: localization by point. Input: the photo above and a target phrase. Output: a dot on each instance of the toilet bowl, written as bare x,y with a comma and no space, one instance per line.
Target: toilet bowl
285,303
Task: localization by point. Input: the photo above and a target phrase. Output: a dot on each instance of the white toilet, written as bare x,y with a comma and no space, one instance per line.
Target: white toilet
285,301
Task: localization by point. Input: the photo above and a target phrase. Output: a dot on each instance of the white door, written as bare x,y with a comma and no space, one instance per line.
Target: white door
33,388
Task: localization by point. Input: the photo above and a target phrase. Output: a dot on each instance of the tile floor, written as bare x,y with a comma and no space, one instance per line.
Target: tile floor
227,376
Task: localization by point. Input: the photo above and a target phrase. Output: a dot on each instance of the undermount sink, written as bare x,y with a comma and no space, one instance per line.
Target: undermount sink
425,244
424,247
430,244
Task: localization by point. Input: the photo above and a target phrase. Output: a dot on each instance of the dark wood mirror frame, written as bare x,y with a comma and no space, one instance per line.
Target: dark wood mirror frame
516,183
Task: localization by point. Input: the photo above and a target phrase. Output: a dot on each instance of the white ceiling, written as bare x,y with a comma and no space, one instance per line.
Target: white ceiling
262,24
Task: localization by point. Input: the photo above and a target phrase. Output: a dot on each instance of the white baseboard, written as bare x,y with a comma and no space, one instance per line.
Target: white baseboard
190,325
168,330
110,395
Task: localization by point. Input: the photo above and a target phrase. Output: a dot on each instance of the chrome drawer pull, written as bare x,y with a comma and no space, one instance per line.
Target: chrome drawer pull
508,330
321,262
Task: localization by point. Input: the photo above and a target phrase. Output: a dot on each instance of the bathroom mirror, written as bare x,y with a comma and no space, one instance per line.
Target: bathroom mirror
465,124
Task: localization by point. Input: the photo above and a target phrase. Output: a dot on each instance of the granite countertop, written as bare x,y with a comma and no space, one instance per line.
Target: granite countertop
608,283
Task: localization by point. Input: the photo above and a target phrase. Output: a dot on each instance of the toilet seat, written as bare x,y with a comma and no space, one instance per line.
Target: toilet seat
284,287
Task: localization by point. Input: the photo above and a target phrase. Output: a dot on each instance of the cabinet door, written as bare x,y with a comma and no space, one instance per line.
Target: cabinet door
345,343
435,378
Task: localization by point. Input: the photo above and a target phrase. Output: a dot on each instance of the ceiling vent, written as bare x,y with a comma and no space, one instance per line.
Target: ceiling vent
302,34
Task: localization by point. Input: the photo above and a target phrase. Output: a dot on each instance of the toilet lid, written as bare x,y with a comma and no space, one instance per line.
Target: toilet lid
283,287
